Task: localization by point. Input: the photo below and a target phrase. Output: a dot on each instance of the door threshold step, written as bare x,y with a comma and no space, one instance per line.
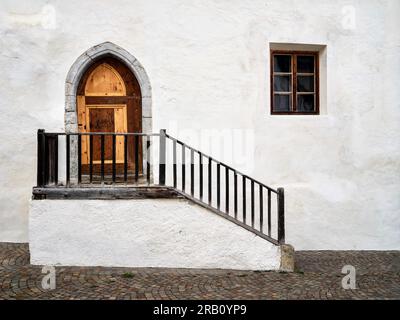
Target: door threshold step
105,192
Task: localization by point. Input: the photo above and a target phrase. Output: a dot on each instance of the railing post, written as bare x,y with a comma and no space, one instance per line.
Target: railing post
281,215
40,158
161,177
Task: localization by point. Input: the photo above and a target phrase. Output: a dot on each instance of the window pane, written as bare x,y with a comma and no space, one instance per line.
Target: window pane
282,102
305,83
282,83
305,64
282,63
305,102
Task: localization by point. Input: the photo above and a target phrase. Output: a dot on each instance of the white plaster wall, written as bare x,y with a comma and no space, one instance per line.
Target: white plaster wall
142,233
208,63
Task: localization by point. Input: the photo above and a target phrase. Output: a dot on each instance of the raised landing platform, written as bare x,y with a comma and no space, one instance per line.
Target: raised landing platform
173,233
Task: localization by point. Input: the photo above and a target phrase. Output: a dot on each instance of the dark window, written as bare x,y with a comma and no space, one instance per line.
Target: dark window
294,82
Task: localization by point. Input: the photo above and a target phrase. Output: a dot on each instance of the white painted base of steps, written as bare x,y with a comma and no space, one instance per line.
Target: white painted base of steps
172,233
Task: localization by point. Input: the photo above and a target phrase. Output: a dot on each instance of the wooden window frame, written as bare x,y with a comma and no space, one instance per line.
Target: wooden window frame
293,74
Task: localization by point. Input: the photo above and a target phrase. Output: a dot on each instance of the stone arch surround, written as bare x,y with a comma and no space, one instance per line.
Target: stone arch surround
77,70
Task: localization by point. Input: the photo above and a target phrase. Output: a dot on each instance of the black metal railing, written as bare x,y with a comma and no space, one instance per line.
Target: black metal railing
130,170
195,175
239,205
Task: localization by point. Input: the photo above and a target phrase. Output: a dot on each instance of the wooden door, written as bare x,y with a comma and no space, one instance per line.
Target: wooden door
109,100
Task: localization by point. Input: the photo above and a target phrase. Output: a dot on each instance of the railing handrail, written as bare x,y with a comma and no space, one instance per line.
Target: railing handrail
170,137
102,134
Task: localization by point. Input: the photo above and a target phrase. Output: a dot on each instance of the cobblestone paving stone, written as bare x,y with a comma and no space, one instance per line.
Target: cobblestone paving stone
317,276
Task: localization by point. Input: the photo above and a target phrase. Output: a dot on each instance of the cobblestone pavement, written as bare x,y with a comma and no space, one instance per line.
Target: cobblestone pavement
318,276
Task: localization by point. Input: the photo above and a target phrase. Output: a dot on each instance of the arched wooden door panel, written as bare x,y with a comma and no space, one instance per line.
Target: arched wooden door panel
109,100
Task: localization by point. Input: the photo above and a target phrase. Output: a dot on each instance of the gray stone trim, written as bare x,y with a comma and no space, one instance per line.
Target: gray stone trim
287,258
72,82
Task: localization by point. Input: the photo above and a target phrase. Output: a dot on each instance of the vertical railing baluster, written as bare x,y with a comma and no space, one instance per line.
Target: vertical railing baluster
209,181
235,198
102,156
67,162
114,147
174,164
91,158
227,190
79,157
281,215
148,146
125,158
252,203
192,172
261,207
269,212
244,198
137,164
218,185
201,176
183,167
162,162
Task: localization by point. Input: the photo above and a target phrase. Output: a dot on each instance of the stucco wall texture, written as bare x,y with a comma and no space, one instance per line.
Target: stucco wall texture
208,64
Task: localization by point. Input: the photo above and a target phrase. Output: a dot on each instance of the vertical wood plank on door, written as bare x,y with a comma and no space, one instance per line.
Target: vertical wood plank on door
121,126
80,100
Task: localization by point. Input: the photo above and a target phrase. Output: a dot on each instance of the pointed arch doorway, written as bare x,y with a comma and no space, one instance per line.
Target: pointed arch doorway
105,89
109,100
